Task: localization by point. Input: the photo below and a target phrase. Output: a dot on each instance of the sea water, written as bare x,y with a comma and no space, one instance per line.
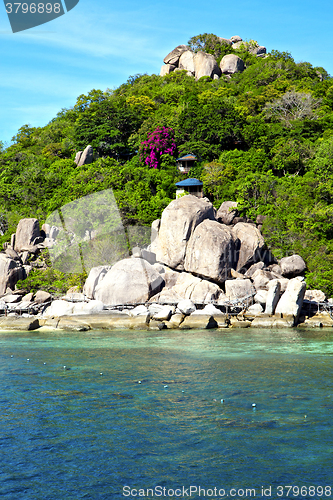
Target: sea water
166,414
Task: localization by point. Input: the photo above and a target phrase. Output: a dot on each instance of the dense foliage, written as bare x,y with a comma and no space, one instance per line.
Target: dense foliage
264,138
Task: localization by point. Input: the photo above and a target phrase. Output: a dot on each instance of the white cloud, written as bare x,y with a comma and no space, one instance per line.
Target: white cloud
97,34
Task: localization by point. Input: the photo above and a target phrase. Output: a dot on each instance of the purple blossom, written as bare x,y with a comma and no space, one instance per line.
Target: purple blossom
158,143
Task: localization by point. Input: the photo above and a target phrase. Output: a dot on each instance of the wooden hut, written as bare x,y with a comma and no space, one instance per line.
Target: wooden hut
189,186
185,163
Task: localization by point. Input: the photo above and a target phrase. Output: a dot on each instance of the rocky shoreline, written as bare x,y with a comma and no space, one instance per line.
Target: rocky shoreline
154,318
203,269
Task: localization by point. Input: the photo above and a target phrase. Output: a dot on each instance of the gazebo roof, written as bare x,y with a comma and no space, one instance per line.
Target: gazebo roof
189,182
187,157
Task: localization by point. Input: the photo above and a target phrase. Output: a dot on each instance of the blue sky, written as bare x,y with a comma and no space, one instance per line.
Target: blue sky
100,44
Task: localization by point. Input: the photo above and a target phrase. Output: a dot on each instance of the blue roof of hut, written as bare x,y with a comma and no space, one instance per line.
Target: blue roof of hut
189,182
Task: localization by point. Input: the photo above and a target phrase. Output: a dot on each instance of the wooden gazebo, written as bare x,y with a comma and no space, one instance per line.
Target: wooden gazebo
184,163
190,186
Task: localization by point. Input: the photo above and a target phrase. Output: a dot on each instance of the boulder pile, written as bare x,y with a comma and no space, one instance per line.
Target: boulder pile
204,268
200,63
14,261
201,266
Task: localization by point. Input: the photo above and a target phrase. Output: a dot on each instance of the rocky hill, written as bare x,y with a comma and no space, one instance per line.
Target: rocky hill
200,63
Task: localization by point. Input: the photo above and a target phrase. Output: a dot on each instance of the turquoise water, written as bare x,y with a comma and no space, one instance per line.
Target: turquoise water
88,430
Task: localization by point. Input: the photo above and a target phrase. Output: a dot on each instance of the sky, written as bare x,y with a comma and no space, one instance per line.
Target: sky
99,44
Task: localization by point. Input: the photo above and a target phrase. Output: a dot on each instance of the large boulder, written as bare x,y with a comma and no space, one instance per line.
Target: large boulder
95,276
11,253
163,314
155,227
205,65
272,297
87,156
190,287
77,158
235,274
114,321
6,264
129,281
145,254
186,306
258,51
291,301
174,55
319,320
226,41
251,244
91,307
250,272
178,222
266,321
240,290
42,297
70,324
315,296
254,310
227,212
10,272
208,309
138,310
260,297
284,283
261,279
148,256
107,320
18,323
204,292
175,321
169,275
292,266
59,308
200,321
276,270
210,251
239,323
11,298
231,64
167,296
27,232
166,69
186,61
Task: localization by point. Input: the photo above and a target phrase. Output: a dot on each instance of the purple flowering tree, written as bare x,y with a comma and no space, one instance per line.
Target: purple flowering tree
160,142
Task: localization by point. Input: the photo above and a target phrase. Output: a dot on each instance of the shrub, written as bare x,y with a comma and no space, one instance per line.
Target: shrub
159,142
